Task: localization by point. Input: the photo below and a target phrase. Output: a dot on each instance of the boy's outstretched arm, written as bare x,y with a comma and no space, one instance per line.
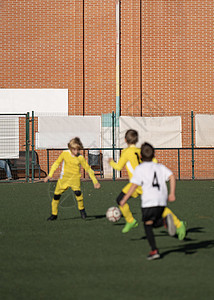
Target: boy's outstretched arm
172,185
129,193
54,167
120,164
88,169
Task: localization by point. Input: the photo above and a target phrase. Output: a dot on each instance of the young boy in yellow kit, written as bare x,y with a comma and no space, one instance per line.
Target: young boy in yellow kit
130,157
70,176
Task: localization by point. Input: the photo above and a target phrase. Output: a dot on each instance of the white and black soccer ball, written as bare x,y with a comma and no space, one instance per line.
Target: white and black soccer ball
113,214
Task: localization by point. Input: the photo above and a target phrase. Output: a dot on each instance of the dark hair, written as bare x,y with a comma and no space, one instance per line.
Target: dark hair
147,152
131,136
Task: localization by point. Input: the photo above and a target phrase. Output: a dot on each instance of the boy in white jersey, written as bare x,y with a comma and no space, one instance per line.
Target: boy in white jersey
130,157
152,178
70,176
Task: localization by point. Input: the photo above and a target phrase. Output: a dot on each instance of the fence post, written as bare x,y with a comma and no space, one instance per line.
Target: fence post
33,147
113,142
27,148
48,165
192,144
179,173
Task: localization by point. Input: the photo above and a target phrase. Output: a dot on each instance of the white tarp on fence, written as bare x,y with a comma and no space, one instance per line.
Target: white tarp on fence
56,132
41,101
204,127
9,137
161,132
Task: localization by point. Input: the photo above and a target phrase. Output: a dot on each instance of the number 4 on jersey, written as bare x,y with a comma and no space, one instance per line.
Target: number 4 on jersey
155,181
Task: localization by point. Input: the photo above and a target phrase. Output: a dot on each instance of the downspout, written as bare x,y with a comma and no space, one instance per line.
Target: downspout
118,108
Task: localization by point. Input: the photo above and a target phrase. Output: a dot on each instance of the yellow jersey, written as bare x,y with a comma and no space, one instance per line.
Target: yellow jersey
71,166
130,158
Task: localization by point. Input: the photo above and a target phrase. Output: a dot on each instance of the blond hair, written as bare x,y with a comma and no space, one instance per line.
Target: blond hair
75,143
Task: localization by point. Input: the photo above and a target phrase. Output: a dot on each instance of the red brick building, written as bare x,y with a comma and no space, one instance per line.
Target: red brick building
166,56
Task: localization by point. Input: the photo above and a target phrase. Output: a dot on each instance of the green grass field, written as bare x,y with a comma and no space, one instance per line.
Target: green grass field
91,259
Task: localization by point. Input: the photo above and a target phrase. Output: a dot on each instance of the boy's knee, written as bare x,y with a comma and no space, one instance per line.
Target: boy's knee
150,222
119,198
57,197
77,193
118,201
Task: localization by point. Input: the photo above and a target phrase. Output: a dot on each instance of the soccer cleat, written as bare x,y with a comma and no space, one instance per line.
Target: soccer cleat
181,231
170,225
83,213
129,226
52,218
153,255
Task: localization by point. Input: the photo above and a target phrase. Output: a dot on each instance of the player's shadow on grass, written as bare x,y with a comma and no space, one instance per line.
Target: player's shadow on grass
119,224
189,249
196,229
165,233
162,233
190,230
89,218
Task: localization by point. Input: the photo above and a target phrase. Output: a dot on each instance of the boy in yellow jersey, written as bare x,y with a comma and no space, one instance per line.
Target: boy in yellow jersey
70,176
130,157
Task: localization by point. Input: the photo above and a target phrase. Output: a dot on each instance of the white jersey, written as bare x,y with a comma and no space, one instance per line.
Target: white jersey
152,177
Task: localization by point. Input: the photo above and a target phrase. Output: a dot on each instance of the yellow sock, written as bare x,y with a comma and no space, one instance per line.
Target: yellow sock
55,204
80,202
176,221
127,213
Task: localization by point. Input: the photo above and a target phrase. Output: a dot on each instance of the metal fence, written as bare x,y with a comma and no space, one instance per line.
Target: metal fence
180,168
15,139
187,163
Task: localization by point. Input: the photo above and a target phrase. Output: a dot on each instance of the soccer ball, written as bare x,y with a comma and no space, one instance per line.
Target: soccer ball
113,214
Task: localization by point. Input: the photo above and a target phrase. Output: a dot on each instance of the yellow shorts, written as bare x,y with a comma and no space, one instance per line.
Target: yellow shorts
63,184
136,193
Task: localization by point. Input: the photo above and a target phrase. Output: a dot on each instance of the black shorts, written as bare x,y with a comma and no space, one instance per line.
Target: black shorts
152,213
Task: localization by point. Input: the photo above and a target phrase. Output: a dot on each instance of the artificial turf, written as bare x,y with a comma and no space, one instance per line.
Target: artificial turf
77,259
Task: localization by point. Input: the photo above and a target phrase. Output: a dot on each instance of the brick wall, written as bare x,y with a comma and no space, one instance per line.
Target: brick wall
43,48
177,56
177,62
166,56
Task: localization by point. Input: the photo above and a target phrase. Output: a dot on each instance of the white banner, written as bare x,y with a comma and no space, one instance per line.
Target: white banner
41,101
9,137
56,132
161,132
204,130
